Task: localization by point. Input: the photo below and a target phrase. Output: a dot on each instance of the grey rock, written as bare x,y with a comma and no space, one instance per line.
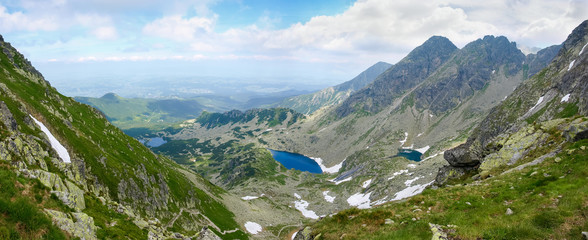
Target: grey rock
509,211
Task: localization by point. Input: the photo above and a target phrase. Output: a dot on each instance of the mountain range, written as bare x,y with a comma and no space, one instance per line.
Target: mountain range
500,139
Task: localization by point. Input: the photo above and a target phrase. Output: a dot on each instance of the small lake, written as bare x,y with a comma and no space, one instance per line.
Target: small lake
409,154
296,161
155,142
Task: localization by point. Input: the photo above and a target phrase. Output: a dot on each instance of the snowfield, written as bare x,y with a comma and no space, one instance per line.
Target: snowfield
333,169
565,98
328,198
301,205
253,227
361,201
55,144
410,191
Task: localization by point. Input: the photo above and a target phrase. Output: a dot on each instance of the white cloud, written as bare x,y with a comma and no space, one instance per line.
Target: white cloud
367,32
179,28
105,33
19,21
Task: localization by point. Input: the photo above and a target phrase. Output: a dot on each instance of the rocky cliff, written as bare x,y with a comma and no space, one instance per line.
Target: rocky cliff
406,74
557,91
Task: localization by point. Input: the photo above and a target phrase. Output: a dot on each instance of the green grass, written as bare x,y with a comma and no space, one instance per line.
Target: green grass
549,204
21,215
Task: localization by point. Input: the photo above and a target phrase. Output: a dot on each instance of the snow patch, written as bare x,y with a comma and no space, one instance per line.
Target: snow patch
247,198
361,201
493,71
405,138
253,227
328,198
571,65
423,150
410,181
297,196
341,181
410,191
366,183
581,51
420,134
430,115
411,165
565,98
333,169
294,235
55,144
301,205
429,157
269,129
398,173
536,104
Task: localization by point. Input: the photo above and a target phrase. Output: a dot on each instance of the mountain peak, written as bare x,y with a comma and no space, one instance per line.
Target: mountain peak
111,96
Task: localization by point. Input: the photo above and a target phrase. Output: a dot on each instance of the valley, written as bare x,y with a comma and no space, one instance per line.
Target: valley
477,142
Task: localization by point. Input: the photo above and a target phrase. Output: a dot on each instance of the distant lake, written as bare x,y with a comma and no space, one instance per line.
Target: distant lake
409,154
296,161
155,142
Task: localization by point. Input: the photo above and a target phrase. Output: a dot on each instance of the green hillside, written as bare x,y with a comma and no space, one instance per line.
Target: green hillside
113,187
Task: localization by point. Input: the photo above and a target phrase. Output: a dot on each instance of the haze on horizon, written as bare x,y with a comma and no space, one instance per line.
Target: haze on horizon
90,47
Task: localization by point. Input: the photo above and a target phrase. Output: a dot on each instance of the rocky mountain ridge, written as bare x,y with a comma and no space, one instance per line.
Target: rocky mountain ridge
309,103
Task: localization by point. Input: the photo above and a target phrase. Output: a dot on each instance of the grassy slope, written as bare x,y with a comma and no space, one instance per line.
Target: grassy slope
90,137
549,201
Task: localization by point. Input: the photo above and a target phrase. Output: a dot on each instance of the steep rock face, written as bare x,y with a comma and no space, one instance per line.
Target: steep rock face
469,71
557,91
541,59
406,74
309,103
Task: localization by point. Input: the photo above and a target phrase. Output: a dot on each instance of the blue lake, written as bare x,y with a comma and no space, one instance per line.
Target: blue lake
155,142
409,154
296,161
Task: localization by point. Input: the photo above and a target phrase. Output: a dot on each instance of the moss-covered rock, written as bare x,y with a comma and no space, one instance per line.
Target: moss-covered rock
77,224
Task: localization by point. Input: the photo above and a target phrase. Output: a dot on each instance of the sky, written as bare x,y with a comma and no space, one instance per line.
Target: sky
305,42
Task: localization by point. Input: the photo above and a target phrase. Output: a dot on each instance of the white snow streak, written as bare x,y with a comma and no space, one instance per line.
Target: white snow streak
246,198
366,183
565,98
328,198
423,150
398,173
361,201
429,157
410,181
341,181
411,165
410,191
55,144
333,169
301,205
297,196
537,104
253,227
571,65
581,51
405,138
